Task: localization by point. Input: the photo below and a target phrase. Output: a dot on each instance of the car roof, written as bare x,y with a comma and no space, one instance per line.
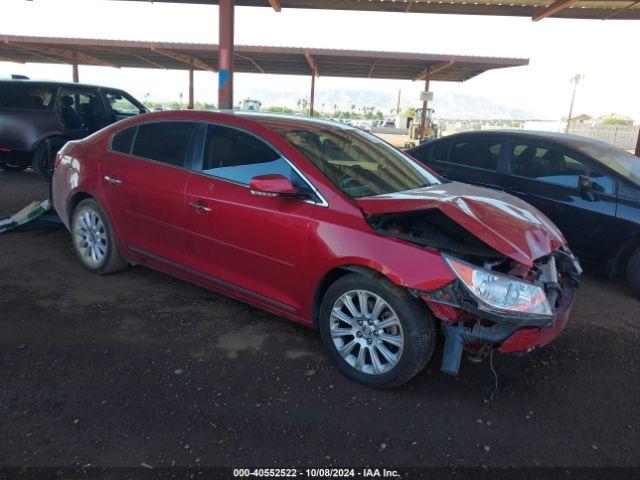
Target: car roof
563,139
48,83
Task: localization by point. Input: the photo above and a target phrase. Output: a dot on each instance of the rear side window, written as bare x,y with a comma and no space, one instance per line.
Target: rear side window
439,152
25,96
476,153
122,141
165,142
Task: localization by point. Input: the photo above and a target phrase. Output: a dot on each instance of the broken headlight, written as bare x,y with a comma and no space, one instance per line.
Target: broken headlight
497,293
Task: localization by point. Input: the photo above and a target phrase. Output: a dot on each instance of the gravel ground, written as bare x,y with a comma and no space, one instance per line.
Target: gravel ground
139,367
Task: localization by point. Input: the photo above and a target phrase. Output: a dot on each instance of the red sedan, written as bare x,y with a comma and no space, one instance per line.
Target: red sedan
323,224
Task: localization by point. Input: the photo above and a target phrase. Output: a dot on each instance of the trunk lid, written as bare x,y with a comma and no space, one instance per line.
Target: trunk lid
504,222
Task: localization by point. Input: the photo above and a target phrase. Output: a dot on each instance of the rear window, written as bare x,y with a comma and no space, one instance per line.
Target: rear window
165,142
26,96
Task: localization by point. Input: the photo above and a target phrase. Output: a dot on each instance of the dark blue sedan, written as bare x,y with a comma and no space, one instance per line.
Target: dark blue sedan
590,189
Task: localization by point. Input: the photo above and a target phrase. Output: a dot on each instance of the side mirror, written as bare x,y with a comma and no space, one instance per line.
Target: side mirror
585,185
272,185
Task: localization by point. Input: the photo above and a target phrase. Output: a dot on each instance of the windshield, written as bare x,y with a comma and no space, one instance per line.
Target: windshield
359,164
621,161
26,96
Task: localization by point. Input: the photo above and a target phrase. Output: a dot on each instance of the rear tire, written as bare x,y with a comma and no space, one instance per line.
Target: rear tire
633,272
383,347
44,157
93,239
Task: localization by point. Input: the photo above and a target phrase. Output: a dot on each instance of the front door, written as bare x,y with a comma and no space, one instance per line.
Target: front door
120,106
548,178
256,245
144,182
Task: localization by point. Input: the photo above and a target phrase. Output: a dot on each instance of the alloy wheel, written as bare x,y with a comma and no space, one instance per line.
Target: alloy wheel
90,237
366,332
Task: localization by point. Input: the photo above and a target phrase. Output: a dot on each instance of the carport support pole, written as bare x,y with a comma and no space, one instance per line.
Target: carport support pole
190,106
225,61
76,74
425,104
313,93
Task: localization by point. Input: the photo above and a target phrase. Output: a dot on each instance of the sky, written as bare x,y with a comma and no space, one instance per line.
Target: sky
602,51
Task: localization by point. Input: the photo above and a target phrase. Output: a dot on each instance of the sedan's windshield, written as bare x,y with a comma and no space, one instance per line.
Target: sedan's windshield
359,164
621,161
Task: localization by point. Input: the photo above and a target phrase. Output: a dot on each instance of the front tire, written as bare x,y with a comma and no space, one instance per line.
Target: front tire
633,272
93,239
13,167
376,332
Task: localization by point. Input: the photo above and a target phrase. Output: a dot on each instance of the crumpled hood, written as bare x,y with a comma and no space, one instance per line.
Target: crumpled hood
504,222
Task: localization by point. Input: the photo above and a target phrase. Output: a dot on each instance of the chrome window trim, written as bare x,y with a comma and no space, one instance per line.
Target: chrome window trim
135,136
322,201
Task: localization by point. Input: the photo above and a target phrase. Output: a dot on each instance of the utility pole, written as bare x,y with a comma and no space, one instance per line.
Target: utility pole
575,80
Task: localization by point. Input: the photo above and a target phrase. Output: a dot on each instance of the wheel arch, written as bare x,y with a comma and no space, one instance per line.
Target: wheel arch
75,199
619,262
330,277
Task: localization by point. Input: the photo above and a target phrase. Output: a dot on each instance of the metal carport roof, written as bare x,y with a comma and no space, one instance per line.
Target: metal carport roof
536,9
250,59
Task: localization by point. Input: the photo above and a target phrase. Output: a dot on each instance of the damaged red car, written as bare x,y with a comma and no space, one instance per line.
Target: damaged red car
323,224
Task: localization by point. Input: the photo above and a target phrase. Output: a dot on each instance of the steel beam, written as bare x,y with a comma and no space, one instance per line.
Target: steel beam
430,71
313,95
225,62
312,63
275,4
425,104
190,106
552,9
181,57
76,74
68,54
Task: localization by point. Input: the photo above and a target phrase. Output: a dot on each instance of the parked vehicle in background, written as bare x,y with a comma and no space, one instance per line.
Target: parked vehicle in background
590,189
324,224
38,118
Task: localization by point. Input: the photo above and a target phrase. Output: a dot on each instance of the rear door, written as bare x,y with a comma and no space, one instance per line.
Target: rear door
81,110
144,179
469,160
253,245
547,177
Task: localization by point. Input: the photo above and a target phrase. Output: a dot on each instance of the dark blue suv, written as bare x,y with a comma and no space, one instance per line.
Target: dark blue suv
590,189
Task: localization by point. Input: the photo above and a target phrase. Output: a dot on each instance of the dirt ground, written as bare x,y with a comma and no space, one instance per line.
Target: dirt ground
139,367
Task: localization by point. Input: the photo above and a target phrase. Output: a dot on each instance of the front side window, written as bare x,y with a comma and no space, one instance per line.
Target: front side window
357,163
553,166
121,105
166,142
25,96
238,156
476,153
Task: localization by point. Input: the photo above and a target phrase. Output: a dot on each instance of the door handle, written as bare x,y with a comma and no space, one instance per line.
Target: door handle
200,208
112,180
